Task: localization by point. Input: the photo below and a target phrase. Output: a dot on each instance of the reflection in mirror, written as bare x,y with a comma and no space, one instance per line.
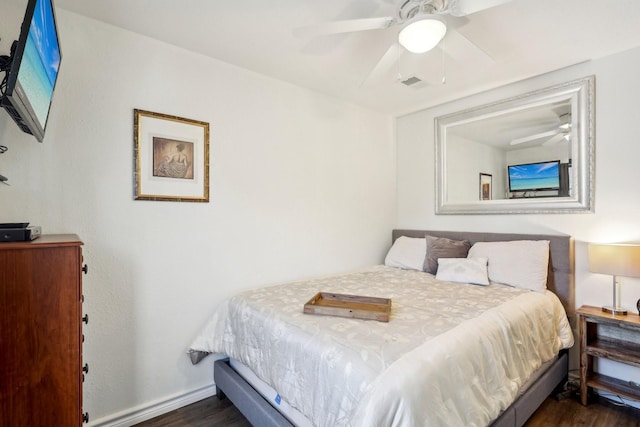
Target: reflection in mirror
528,154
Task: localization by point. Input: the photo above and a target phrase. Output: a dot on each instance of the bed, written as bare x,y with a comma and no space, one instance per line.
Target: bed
282,367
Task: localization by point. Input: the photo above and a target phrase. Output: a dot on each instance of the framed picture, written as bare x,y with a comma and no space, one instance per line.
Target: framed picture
485,186
171,158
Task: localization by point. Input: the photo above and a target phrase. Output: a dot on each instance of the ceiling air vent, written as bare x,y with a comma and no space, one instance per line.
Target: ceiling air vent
413,82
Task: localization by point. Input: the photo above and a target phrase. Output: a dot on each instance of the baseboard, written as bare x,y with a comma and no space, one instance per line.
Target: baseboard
146,412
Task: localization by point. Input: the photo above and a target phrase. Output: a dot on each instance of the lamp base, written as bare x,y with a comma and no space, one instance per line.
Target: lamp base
616,311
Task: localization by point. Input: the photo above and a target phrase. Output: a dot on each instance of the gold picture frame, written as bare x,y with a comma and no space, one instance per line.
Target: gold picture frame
171,158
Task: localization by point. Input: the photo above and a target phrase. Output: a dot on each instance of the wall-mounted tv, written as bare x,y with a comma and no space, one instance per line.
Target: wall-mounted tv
31,71
534,176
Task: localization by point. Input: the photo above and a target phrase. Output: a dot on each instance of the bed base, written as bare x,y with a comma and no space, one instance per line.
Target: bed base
249,402
260,412
521,410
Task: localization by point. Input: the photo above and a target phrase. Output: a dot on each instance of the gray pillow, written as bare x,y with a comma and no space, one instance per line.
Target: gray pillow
441,247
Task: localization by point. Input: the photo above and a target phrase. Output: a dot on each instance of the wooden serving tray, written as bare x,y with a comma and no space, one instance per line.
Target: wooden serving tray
353,306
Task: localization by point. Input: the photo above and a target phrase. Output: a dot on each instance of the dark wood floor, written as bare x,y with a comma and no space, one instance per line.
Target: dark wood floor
210,412
569,413
557,413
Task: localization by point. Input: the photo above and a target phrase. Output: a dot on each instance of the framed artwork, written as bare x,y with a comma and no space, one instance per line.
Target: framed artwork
171,158
485,186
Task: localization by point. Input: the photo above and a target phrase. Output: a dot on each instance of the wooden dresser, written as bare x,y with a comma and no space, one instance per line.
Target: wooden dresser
41,370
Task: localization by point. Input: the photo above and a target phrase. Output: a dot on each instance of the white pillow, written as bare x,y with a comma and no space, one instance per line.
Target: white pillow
519,263
407,253
463,270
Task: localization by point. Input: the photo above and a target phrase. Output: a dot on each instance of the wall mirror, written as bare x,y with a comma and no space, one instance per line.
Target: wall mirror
532,153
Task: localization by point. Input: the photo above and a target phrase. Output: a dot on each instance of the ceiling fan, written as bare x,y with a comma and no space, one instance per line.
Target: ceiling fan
421,23
561,134
409,15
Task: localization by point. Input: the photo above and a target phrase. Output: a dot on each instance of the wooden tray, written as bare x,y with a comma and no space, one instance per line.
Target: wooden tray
354,306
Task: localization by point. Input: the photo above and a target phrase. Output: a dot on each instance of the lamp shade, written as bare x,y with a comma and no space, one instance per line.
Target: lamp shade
615,259
423,34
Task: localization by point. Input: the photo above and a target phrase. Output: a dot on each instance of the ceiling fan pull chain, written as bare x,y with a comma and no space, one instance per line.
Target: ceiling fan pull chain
444,75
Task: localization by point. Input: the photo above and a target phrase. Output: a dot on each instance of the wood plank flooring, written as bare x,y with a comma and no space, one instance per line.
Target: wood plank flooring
212,412
570,413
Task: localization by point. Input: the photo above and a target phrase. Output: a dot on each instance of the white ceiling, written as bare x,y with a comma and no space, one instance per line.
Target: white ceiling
509,42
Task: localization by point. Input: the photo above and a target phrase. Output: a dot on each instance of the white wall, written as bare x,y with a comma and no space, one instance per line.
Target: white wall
466,160
617,201
301,185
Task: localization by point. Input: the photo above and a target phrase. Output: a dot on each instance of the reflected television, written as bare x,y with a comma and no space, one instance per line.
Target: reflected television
534,176
32,69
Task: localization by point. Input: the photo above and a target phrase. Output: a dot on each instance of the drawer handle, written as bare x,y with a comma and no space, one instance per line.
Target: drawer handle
85,319
85,417
85,368
85,268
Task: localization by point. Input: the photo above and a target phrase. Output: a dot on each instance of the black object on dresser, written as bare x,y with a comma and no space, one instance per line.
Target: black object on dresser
18,232
41,370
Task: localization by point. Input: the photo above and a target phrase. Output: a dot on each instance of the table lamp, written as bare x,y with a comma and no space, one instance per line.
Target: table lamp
617,260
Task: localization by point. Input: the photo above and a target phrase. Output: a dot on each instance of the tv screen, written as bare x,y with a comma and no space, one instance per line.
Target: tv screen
33,69
534,176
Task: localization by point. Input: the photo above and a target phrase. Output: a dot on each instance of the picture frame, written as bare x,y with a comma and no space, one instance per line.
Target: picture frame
171,158
485,186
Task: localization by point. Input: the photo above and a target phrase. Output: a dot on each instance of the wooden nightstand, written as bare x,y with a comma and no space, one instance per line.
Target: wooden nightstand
610,337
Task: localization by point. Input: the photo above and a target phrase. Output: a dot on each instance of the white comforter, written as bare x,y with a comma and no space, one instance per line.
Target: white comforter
451,355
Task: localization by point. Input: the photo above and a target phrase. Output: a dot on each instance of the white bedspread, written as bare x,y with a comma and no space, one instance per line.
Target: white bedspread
451,355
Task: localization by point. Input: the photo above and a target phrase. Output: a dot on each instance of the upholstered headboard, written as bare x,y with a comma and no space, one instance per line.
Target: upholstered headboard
560,278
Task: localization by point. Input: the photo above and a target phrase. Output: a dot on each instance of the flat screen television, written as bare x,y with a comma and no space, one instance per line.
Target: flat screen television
534,176
31,71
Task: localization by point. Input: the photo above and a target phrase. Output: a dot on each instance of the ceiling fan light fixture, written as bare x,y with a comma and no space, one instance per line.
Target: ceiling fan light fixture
423,34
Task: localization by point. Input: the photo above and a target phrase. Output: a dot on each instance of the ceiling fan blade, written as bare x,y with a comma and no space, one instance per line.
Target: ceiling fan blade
559,137
456,22
463,50
384,64
534,137
338,27
467,7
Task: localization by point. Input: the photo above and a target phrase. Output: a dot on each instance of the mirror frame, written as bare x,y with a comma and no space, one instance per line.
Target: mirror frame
581,93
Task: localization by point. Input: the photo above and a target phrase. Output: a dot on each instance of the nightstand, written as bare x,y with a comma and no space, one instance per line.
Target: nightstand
610,337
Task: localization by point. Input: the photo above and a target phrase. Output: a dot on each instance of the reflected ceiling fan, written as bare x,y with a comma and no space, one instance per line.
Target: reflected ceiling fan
561,133
421,24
